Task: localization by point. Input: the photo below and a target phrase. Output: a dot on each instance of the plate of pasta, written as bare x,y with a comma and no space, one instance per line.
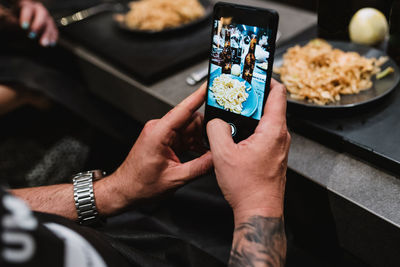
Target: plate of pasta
162,16
335,74
232,93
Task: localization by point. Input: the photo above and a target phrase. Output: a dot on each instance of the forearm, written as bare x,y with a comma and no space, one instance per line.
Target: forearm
259,239
56,199
59,199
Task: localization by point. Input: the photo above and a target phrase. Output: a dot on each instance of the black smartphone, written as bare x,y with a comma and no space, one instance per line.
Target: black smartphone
240,68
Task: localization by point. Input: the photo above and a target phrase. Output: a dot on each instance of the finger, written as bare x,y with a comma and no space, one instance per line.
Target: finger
194,126
194,168
275,108
193,135
46,37
189,134
219,136
54,36
179,115
39,19
53,32
25,16
277,86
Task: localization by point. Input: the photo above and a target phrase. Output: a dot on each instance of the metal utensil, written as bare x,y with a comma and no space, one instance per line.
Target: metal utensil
89,12
197,76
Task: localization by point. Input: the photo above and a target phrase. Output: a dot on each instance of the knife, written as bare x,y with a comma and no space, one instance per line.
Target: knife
89,12
197,76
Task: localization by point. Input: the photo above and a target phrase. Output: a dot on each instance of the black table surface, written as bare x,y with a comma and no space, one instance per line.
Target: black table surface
147,58
371,132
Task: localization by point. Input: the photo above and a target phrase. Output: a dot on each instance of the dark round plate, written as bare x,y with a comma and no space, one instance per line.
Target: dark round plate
379,89
208,6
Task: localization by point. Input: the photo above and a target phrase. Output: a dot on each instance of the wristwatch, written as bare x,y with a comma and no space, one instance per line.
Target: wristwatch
84,196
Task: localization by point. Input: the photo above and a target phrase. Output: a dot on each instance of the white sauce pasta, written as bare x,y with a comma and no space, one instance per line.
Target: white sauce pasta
229,93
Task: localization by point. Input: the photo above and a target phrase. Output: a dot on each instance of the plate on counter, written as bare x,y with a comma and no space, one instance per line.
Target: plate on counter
379,89
119,19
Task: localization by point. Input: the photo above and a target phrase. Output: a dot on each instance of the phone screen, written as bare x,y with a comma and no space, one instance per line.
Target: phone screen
242,49
238,69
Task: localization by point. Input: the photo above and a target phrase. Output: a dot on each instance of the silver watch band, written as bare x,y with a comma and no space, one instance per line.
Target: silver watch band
84,196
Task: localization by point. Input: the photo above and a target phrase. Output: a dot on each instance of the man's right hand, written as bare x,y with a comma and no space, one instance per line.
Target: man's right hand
252,177
252,173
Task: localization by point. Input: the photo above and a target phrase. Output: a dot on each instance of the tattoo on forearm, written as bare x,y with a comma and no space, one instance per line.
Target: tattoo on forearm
260,241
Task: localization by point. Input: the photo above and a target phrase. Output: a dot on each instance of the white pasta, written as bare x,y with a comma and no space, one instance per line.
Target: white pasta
229,93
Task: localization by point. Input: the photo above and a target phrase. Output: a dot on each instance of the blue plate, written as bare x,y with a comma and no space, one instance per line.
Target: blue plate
249,106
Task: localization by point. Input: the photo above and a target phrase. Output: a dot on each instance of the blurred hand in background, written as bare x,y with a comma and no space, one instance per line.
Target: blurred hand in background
35,18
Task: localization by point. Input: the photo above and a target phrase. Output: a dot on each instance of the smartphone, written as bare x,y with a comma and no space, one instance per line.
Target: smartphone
240,67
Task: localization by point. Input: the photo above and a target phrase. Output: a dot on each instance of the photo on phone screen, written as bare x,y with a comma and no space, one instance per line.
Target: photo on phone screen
240,66
238,69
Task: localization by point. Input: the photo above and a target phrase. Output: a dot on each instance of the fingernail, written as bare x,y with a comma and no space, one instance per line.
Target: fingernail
45,42
32,35
25,25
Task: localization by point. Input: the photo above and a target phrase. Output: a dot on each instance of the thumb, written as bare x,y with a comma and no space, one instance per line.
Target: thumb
219,135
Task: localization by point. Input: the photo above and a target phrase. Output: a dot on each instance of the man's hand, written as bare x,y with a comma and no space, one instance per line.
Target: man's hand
252,177
152,166
252,173
35,18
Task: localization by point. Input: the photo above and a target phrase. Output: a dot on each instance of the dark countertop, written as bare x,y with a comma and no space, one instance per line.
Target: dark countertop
160,53
366,188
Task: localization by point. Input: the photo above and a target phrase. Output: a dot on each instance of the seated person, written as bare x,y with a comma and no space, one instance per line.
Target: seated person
251,175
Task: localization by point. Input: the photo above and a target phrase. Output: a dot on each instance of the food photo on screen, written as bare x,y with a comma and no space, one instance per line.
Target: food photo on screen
238,68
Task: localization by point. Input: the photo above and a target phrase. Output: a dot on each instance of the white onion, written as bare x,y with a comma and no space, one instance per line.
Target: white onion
368,26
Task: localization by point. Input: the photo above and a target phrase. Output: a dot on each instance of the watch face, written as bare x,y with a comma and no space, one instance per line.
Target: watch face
95,174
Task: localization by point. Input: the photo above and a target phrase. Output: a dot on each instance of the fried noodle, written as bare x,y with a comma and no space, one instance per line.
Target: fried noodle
157,15
319,73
